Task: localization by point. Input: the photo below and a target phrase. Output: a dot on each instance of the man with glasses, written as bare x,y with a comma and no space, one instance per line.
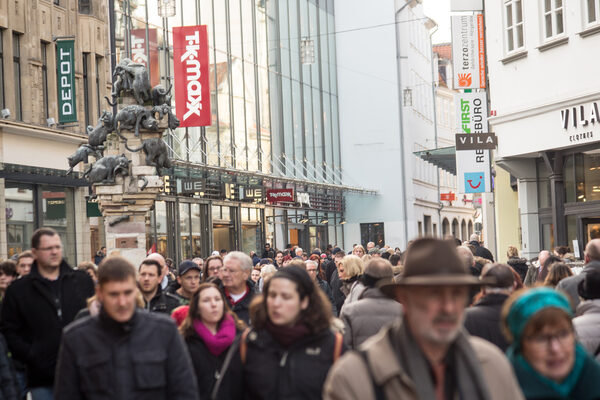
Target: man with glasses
38,306
189,279
237,286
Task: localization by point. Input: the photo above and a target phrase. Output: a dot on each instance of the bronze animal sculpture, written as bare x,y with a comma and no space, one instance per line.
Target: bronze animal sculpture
156,152
131,77
81,155
97,135
106,169
160,95
165,109
131,117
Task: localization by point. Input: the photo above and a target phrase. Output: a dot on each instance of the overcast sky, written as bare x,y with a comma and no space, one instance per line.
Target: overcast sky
439,11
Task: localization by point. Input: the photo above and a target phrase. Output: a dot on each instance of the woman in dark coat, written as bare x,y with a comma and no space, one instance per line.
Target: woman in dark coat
209,330
518,264
291,347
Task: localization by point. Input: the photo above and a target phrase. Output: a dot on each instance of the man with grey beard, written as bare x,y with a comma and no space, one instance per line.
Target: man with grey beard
427,354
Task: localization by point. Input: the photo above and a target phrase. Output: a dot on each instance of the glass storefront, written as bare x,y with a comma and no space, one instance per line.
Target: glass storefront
29,207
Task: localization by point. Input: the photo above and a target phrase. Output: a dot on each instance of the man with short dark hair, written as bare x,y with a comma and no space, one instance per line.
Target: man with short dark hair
8,273
483,319
38,306
268,252
24,261
278,261
189,279
592,262
426,354
124,352
155,299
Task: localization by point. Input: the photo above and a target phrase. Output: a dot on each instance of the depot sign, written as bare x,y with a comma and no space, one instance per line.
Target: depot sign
192,91
65,63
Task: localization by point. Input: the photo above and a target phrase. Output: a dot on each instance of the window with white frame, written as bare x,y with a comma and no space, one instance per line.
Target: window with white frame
513,17
553,18
592,11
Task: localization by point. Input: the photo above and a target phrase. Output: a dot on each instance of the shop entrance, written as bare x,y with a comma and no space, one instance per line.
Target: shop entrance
591,228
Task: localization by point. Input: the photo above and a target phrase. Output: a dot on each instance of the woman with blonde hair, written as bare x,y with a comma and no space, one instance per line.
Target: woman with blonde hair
350,270
558,272
358,250
517,263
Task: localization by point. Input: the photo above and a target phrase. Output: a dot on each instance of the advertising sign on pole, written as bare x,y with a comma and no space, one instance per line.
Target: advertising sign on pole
468,55
65,62
191,69
472,166
138,52
466,5
280,195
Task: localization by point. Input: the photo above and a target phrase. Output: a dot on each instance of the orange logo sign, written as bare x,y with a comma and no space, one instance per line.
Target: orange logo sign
464,80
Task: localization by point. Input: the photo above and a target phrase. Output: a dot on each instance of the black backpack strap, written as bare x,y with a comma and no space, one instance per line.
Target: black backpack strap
378,389
221,374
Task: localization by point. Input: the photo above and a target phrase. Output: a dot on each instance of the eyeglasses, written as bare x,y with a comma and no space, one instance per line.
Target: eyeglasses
546,340
311,270
214,269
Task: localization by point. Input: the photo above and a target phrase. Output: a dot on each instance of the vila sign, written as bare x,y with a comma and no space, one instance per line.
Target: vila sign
65,62
190,186
468,56
582,122
280,195
138,52
476,141
192,91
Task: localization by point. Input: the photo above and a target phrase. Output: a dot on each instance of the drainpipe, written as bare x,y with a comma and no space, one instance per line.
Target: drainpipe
400,114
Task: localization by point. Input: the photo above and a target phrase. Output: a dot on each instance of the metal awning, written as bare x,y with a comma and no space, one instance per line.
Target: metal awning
444,158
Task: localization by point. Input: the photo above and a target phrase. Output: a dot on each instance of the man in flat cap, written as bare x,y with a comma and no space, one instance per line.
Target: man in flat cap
426,355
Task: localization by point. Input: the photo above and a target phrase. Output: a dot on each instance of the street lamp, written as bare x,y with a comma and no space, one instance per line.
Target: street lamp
166,8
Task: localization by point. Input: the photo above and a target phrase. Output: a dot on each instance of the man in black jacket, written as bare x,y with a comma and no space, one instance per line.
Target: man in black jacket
38,306
480,251
124,352
237,287
155,299
483,319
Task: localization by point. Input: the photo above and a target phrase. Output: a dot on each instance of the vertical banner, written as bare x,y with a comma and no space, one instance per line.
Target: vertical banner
65,69
138,52
468,51
472,166
190,60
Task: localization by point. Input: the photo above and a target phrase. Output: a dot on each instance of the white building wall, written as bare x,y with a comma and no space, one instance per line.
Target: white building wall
370,117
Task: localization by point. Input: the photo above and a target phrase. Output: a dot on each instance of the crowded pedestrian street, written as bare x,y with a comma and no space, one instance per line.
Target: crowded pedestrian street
299,200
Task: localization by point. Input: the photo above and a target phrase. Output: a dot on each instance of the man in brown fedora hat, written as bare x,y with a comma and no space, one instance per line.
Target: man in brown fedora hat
427,354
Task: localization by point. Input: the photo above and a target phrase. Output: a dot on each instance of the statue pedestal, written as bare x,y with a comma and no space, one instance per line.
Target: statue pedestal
125,203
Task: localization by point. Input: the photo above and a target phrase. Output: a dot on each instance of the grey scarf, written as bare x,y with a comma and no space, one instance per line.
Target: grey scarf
467,369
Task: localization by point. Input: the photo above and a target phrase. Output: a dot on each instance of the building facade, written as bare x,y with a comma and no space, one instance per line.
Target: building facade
388,113
35,190
541,58
274,126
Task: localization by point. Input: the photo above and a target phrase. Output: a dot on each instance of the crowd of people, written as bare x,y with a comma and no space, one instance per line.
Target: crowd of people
440,320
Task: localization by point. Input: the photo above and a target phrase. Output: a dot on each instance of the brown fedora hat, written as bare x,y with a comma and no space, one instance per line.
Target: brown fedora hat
432,262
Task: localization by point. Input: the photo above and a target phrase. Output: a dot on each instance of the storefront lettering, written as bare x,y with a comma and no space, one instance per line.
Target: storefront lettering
479,156
65,84
574,116
303,199
194,87
580,136
138,50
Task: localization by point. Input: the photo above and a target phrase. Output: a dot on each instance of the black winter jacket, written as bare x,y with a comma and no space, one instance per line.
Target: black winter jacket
327,290
298,372
336,291
483,319
162,302
519,265
328,268
481,251
8,384
33,318
144,358
241,307
207,366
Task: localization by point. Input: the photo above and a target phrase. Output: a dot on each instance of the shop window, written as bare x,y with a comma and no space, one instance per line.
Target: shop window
19,217
58,212
1,69
587,176
86,88
85,6
543,185
160,212
372,232
17,75
184,231
44,54
553,18
513,25
569,179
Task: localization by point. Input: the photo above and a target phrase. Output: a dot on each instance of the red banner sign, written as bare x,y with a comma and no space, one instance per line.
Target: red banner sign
190,61
138,52
447,196
280,195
